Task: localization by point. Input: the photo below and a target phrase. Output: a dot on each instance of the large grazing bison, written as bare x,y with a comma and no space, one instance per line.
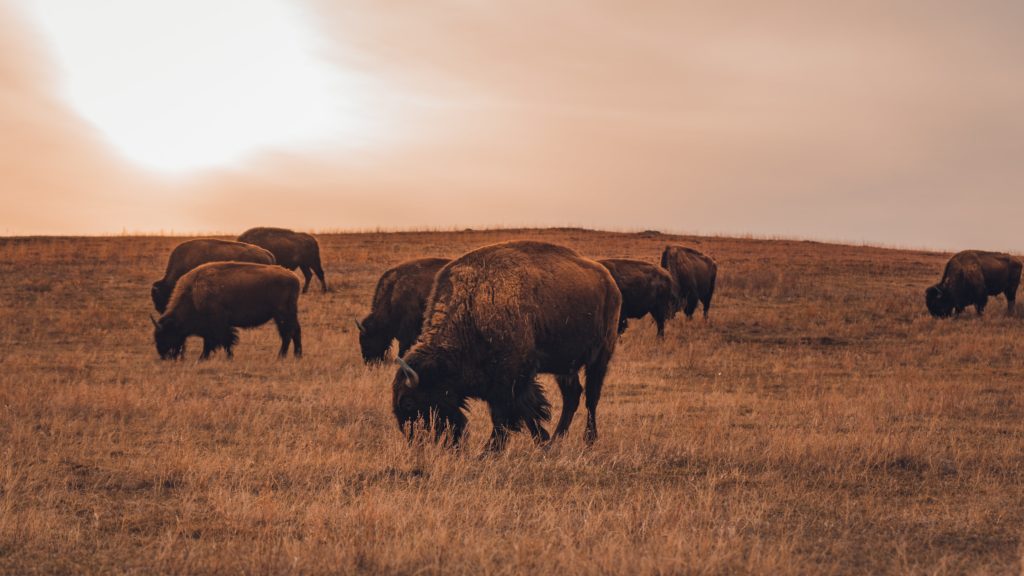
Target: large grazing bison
192,253
291,249
970,278
215,298
497,317
397,310
646,289
694,274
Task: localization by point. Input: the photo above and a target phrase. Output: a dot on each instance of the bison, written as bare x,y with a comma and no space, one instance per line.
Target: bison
397,310
498,316
695,275
970,278
646,289
214,299
192,253
291,249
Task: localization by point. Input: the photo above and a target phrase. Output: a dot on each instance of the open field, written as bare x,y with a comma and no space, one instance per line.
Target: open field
821,423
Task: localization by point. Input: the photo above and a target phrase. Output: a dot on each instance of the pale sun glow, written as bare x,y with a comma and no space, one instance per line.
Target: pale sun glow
181,85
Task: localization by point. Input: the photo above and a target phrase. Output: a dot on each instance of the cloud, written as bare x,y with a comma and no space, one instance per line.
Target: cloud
894,122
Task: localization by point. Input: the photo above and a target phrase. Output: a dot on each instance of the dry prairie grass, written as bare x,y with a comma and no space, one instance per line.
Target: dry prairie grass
822,423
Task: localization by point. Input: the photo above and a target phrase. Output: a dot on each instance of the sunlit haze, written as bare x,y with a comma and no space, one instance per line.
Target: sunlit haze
193,84
882,122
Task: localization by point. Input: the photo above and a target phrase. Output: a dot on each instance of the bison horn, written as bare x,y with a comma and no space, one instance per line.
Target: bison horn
413,377
153,320
360,326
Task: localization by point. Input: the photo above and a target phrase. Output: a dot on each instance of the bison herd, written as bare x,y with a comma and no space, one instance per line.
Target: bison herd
484,325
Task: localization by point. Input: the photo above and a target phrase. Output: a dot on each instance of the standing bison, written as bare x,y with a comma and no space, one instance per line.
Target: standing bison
970,278
646,289
291,249
214,299
193,253
397,310
497,317
694,274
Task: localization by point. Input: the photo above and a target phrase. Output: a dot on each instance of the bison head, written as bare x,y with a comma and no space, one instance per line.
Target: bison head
373,343
939,301
161,294
420,395
170,340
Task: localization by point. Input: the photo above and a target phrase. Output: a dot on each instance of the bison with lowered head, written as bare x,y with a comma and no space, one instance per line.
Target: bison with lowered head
497,317
192,253
216,298
397,310
970,278
646,289
291,250
695,275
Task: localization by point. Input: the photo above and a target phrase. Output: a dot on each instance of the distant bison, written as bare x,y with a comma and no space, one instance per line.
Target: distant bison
695,275
291,249
497,317
397,310
646,289
970,278
192,253
213,299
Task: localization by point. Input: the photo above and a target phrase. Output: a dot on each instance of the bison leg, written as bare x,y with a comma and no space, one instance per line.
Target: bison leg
623,323
571,392
532,409
499,435
209,346
540,435
320,276
290,332
691,305
659,320
228,341
307,275
980,303
297,341
707,299
595,380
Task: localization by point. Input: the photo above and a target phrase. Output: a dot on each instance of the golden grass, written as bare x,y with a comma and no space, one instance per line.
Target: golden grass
822,423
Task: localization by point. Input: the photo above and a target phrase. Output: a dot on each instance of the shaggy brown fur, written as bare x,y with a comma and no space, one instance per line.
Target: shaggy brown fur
695,275
398,304
646,289
192,253
970,278
213,299
497,317
291,249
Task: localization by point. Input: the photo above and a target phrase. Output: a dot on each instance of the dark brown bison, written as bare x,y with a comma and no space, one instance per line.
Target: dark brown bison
970,278
214,299
646,289
192,253
497,317
291,249
397,310
694,274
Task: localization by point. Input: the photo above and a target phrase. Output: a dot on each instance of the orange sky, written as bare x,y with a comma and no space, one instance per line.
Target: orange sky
885,122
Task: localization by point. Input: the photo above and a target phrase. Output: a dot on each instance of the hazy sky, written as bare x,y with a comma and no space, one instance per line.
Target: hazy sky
886,122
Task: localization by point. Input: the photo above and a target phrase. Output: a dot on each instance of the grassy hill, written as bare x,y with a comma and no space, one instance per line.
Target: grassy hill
822,422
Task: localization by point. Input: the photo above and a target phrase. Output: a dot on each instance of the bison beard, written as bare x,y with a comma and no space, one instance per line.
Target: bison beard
498,316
